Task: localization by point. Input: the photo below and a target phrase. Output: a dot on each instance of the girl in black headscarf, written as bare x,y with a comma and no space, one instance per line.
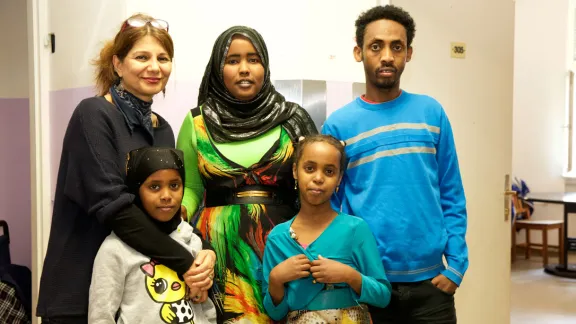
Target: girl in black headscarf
135,288
239,142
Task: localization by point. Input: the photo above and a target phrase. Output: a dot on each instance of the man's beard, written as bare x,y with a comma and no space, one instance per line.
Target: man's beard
385,84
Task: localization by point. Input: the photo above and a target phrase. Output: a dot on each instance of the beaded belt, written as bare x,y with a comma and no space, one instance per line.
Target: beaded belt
249,195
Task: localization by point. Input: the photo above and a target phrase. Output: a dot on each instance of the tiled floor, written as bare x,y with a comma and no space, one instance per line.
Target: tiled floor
539,298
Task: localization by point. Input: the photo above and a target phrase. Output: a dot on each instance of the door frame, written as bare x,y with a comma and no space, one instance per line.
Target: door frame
39,111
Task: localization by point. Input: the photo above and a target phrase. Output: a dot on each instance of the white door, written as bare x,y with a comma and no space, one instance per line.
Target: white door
476,92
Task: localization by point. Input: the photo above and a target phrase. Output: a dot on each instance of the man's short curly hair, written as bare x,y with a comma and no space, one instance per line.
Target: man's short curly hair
388,12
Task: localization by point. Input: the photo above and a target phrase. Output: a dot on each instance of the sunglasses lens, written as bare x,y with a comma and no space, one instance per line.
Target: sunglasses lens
136,22
139,22
160,24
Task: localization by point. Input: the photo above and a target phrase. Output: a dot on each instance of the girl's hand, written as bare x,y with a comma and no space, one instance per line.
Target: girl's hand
332,272
199,297
293,268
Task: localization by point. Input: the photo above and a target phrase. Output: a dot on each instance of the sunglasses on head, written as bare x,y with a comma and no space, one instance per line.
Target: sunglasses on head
141,22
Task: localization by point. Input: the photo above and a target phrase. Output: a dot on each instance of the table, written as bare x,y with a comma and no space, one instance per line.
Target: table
568,200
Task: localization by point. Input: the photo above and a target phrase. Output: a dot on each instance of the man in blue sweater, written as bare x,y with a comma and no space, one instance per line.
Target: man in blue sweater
403,176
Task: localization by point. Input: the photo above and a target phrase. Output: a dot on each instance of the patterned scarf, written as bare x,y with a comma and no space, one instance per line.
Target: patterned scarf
136,112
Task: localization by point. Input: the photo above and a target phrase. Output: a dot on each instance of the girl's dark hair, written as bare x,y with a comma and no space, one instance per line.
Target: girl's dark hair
325,139
120,46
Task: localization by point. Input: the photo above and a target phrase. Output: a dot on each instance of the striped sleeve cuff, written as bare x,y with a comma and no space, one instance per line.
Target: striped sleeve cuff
454,275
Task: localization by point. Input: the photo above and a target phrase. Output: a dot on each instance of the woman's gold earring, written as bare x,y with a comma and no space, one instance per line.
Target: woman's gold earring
337,188
296,184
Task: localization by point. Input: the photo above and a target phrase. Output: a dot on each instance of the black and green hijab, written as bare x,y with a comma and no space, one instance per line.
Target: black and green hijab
229,119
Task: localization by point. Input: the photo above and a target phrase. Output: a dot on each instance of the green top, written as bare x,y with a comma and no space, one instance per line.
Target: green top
233,151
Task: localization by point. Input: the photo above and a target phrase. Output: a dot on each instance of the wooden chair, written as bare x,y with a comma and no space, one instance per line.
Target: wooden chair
541,225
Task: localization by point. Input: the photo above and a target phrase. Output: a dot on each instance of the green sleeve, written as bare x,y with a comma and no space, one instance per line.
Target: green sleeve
193,187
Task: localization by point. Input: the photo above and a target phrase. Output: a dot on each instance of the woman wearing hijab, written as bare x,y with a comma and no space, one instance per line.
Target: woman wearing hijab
238,147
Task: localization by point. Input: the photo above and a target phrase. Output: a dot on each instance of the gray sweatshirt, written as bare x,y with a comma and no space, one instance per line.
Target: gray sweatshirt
140,290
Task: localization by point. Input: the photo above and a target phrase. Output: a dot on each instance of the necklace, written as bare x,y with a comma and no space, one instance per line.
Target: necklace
293,234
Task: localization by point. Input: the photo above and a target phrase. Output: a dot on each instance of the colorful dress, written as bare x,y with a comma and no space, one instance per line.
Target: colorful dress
241,206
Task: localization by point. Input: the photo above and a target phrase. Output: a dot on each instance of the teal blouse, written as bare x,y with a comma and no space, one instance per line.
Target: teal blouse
348,240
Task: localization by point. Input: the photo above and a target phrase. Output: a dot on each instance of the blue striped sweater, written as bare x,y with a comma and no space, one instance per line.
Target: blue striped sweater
403,179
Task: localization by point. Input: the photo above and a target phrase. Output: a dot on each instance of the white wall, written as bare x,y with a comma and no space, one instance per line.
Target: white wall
540,70
14,49
301,35
297,33
80,27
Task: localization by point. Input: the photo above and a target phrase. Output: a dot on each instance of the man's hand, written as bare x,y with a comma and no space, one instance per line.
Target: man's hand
443,283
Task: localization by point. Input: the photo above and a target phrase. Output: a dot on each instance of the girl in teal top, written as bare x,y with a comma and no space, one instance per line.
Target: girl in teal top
322,266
